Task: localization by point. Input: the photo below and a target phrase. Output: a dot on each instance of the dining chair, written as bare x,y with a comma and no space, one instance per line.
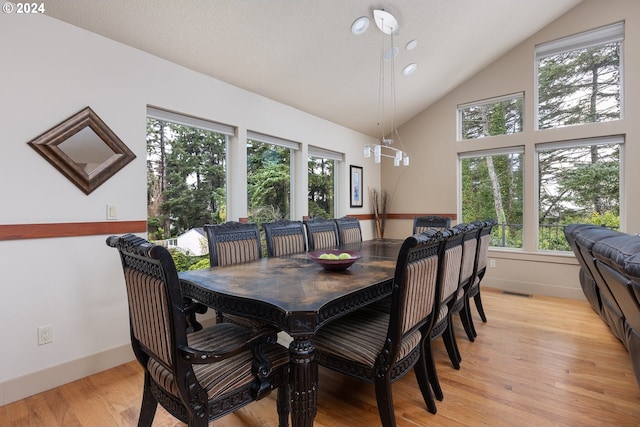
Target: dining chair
349,230
381,346
321,234
201,376
284,237
423,223
468,267
449,279
484,239
232,243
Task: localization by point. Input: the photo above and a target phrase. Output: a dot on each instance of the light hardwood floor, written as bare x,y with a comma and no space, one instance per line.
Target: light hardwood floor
539,361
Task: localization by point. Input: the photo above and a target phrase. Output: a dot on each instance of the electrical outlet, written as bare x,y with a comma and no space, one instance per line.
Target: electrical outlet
45,335
492,263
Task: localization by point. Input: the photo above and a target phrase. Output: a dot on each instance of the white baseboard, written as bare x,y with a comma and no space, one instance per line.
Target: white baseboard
37,382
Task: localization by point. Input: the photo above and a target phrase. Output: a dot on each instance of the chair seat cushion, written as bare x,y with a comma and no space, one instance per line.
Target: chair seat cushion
359,337
226,375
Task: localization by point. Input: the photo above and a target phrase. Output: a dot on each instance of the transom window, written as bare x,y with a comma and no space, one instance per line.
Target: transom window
496,116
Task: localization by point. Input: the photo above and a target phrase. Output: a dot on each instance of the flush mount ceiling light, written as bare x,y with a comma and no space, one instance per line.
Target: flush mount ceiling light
409,69
360,25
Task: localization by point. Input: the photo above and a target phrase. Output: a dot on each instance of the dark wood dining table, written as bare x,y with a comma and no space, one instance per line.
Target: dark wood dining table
296,295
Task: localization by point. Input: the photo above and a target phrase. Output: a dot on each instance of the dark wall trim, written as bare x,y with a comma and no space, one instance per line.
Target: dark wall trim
70,229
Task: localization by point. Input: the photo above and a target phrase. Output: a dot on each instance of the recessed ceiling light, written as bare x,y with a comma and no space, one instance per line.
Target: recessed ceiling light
390,53
411,44
409,69
360,25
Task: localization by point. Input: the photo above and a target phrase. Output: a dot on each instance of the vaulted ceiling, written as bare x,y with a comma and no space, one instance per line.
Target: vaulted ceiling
302,52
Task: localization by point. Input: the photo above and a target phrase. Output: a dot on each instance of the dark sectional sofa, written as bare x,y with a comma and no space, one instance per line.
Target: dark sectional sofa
610,279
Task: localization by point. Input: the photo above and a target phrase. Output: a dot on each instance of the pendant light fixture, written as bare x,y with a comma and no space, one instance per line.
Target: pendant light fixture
388,25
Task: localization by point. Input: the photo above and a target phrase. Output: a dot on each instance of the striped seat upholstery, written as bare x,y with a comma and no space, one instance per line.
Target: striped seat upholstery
321,234
378,345
349,230
284,237
232,365
432,222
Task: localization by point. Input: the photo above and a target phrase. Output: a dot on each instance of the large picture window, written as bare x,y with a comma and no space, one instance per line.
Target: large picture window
186,173
269,172
579,78
492,187
322,167
578,182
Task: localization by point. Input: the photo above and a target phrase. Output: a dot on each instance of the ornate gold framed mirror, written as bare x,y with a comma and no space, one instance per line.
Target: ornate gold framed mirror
84,149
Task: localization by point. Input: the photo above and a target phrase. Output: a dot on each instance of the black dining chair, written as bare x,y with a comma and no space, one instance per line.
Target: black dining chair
431,222
321,234
232,243
349,231
470,249
474,290
201,376
284,237
452,260
380,346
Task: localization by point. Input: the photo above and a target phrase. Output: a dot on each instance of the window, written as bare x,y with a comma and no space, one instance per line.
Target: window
496,116
186,173
322,165
269,172
492,187
578,182
579,78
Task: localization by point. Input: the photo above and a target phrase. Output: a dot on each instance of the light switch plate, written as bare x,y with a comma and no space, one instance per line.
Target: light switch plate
112,211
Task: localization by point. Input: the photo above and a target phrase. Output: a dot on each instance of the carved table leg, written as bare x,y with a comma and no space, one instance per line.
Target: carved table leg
304,382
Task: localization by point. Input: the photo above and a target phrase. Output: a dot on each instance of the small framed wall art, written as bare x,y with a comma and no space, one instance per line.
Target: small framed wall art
355,185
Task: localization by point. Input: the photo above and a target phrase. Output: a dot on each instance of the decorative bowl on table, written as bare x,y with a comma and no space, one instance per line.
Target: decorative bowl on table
335,259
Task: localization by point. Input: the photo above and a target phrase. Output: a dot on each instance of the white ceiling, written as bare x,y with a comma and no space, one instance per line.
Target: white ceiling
302,52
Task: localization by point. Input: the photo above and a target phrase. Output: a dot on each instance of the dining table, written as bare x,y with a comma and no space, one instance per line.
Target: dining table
296,295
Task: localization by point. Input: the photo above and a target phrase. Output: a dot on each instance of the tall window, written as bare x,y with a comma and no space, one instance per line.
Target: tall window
322,167
492,187
186,173
578,182
495,116
269,171
579,78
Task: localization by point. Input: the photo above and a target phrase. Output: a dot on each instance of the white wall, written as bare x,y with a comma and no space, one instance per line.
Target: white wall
430,184
51,70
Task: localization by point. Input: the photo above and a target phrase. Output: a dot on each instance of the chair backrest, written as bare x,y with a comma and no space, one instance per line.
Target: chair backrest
416,295
452,263
157,322
470,251
233,243
483,242
284,237
423,223
321,234
349,230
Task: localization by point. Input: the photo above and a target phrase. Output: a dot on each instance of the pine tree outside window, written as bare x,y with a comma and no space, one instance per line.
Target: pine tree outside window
322,184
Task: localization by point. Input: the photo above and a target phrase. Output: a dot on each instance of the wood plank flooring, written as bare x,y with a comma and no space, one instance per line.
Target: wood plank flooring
539,361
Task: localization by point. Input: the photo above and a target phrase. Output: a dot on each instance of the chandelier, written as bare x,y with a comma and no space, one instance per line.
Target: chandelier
388,25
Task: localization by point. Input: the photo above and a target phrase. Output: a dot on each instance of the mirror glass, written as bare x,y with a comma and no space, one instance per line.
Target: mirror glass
87,150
